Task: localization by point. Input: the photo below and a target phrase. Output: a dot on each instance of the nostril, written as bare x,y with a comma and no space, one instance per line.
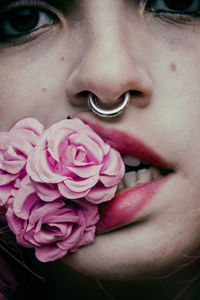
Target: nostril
81,98
102,101
134,93
140,99
109,102
83,95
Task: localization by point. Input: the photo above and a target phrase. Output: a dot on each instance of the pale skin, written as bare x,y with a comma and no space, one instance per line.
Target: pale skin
109,47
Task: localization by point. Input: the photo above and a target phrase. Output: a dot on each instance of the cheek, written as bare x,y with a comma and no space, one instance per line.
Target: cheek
175,107
28,90
33,80
172,67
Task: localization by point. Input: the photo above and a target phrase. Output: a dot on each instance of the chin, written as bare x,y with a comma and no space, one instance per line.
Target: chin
157,244
115,256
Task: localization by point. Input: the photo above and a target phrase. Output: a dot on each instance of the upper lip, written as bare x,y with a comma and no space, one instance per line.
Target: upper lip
127,144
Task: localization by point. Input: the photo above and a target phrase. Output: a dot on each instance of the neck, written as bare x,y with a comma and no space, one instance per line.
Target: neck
183,285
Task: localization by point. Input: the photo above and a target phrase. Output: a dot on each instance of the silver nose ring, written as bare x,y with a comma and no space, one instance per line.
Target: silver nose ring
97,107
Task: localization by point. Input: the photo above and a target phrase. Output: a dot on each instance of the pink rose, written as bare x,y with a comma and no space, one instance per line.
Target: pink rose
71,156
52,228
51,182
15,147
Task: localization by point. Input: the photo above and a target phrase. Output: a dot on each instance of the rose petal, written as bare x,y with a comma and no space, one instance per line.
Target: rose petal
29,125
47,192
49,253
39,169
71,242
5,193
67,193
100,194
15,224
24,200
79,185
94,152
85,172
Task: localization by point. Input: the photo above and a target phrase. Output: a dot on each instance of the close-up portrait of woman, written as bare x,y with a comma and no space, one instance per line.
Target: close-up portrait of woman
99,149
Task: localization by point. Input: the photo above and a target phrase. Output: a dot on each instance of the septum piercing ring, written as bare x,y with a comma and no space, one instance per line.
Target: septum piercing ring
96,107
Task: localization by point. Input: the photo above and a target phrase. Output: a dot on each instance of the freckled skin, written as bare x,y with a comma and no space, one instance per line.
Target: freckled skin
109,47
172,67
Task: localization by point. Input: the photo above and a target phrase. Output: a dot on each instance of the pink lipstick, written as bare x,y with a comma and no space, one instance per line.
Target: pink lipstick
127,204
127,144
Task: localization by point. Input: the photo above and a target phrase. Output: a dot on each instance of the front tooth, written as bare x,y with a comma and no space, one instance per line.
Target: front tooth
131,161
120,186
143,175
130,179
155,172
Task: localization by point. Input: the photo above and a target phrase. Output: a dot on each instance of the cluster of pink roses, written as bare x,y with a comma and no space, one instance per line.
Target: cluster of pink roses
51,182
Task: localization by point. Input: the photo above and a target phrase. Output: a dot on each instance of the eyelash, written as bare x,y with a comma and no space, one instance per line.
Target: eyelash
42,9
51,13
171,16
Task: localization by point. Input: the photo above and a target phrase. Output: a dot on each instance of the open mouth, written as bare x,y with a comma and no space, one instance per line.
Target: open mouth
141,182
142,164
146,171
132,196
138,172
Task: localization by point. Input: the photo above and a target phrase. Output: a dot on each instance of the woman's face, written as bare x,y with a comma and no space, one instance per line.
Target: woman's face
53,53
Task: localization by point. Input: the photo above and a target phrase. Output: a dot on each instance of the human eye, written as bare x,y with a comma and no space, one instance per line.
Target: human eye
182,10
24,20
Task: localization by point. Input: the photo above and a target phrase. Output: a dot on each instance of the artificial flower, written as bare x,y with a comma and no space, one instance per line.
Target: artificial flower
51,181
71,156
15,146
52,228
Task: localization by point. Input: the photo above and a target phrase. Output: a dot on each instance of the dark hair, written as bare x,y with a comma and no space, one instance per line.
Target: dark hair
16,279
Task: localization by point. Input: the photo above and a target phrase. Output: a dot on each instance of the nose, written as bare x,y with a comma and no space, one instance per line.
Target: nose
110,65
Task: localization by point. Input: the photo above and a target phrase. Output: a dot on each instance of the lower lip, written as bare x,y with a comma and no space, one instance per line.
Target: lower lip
126,205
